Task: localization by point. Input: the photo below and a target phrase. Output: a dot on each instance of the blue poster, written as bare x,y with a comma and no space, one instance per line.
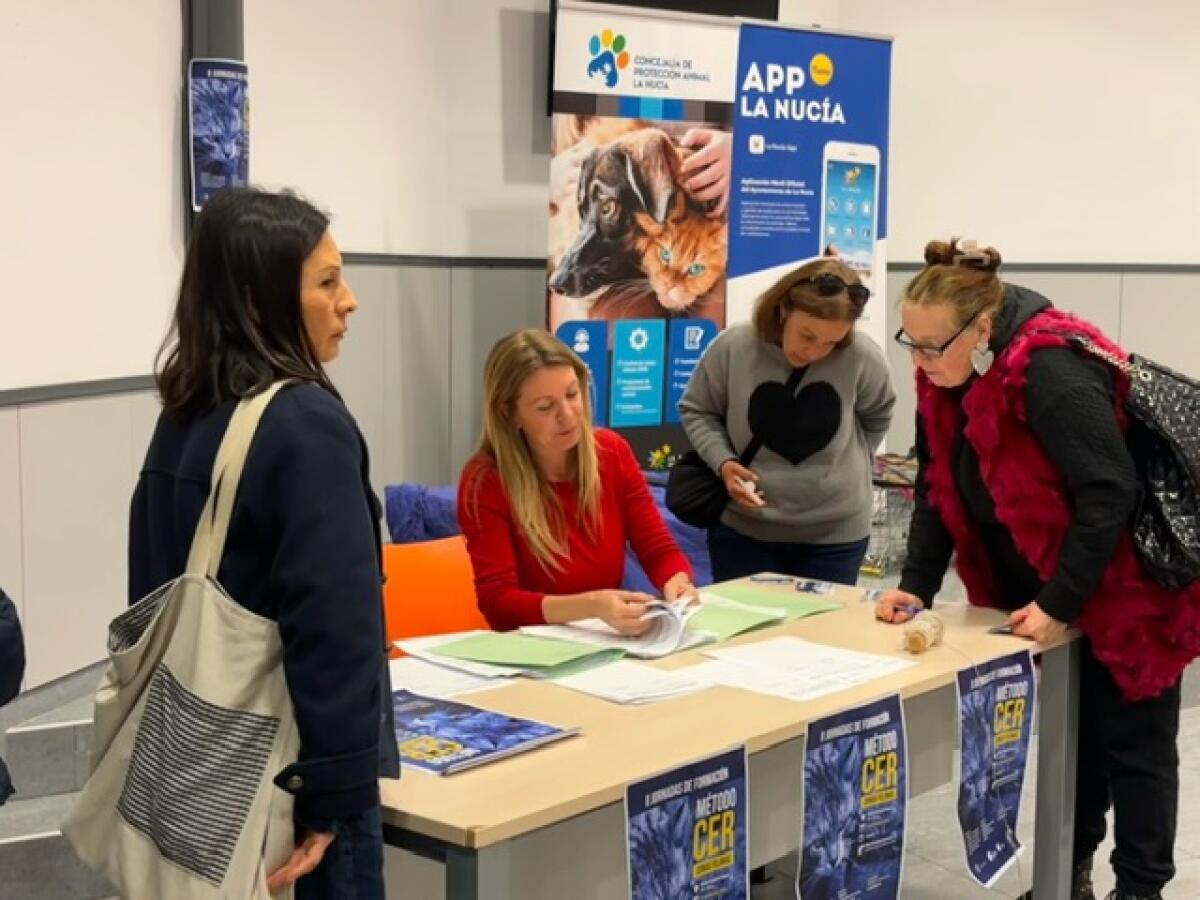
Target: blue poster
810,157
219,132
638,372
855,795
589,340
995,708
686,832
688,340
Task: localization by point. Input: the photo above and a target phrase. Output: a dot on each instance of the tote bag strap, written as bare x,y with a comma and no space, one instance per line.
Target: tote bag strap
208,544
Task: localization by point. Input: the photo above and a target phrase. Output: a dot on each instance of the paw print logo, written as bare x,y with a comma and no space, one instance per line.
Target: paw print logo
609,56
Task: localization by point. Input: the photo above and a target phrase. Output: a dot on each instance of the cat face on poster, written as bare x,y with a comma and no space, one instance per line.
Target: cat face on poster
831,815
644,248
660,871
218,134
683,256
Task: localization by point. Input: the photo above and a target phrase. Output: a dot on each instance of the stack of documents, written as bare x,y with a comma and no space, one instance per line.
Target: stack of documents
722,618
793,603
793,668
630,682
493,654
668,632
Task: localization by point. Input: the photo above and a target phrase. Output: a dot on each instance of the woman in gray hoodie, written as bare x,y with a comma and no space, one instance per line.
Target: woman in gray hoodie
804,400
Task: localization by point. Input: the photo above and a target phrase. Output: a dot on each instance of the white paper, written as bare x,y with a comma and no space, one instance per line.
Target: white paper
435,680
668,633
794,668
631,682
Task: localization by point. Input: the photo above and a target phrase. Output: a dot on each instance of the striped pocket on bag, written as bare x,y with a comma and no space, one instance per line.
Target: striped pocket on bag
193,776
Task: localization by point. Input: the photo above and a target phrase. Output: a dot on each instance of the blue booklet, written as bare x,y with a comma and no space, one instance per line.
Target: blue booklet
445,737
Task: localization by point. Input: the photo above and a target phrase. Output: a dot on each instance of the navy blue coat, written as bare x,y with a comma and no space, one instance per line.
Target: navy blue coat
303,550
12,650
12,670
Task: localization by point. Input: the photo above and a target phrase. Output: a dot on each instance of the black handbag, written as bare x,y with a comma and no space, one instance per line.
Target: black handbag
695,493
1164,440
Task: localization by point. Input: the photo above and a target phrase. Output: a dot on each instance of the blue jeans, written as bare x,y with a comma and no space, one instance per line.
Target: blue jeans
353,865
735,556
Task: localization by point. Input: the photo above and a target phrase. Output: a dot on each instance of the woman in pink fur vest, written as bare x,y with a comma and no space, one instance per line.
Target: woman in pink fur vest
1024,472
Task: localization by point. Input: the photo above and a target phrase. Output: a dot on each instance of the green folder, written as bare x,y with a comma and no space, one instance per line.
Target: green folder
795,604
511,648
724,622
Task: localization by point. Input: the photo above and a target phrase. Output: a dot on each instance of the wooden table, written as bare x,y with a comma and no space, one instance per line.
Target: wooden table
550,823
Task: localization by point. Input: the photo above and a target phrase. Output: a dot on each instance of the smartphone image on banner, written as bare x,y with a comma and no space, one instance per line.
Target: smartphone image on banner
850,204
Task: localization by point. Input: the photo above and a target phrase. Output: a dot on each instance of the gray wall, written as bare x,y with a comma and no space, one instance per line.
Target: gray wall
410,372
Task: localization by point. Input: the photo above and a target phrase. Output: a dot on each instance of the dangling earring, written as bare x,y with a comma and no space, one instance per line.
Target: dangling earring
982,358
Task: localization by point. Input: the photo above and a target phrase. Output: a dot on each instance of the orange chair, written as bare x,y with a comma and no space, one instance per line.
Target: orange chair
430,589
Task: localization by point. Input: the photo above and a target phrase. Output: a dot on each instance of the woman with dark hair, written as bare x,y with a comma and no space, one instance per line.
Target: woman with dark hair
263,298
1025,474
811,400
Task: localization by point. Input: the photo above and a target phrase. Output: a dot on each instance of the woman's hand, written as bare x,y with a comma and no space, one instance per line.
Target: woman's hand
623,610
739,483
1031,622
680,587
705,173
306,857
897,606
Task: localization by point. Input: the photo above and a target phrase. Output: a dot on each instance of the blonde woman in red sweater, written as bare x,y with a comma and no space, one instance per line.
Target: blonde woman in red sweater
547,503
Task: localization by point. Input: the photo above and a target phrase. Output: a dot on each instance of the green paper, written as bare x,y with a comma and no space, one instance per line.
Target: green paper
510,648
794,604
726,621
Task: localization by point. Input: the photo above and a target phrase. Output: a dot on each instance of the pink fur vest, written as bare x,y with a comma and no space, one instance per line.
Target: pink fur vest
1143,633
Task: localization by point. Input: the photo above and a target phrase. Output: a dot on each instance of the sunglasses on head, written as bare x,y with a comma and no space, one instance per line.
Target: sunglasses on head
829,285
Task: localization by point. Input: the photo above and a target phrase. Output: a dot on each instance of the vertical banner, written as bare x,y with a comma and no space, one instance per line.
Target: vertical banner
686,831
810,160
855,797
995,708
218,127
639,185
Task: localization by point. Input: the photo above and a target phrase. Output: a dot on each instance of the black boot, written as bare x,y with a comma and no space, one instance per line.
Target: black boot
1081,885
1122,895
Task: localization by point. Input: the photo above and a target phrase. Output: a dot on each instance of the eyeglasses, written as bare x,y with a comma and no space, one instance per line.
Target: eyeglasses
927,352
830,285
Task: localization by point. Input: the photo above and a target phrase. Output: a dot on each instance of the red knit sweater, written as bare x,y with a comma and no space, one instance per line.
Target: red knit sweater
510,582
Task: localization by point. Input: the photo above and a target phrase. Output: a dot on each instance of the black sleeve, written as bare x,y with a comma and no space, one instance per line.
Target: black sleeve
929,543
12,652
1070,405
325,573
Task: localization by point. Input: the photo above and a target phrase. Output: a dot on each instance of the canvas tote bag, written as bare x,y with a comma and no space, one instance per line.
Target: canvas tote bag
193,720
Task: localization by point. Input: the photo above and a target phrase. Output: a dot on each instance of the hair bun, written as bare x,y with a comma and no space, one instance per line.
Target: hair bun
962,252
940,253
